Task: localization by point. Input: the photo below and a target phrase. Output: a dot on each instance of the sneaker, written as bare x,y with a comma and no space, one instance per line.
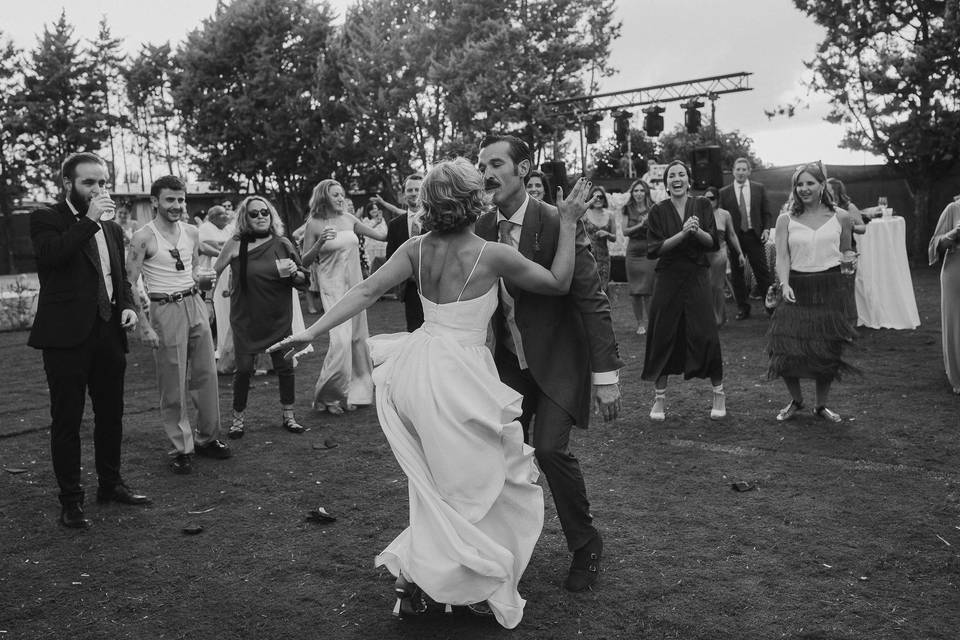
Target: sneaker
214,449
181,464
719,409
658,412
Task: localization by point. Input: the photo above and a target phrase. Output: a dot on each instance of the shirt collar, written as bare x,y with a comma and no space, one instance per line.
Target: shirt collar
76,214
517,217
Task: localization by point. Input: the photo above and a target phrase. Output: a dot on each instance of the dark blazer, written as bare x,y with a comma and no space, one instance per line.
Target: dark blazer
760,216
397,234
565,338
68,272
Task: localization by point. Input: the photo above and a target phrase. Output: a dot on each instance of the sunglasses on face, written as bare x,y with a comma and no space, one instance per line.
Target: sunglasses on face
175,254
258,213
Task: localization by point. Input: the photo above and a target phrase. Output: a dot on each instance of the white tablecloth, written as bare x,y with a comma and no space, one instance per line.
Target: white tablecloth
883,286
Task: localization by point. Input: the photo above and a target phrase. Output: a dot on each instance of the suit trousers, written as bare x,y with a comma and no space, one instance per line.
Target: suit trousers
186,365
753,249
551,443
96,366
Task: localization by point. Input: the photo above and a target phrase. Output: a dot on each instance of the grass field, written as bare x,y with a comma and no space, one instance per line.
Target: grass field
848,531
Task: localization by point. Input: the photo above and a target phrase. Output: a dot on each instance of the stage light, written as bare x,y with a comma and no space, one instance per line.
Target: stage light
653,121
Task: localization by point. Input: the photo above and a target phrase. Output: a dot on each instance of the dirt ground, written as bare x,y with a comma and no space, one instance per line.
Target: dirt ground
849,531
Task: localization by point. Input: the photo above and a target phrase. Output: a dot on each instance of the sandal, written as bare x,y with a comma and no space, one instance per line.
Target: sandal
789,411
236,429
827,414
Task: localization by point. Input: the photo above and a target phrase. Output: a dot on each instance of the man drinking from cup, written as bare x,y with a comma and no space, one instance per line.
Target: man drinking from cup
166,252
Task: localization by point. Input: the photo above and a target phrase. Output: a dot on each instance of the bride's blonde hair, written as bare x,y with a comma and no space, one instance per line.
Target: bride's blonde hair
452,196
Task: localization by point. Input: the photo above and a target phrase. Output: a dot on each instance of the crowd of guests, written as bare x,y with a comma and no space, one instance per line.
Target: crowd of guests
468,249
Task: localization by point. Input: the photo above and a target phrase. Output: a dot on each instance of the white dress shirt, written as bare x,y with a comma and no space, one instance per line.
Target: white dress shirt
102,250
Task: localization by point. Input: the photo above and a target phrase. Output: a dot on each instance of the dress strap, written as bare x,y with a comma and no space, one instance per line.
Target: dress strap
420,264
467,281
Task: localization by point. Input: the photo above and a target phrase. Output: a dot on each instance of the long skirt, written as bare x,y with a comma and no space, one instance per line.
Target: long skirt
807,338
682,334
640,268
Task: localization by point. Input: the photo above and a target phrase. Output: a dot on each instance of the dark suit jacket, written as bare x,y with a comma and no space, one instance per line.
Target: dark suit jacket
760,216
565,338
397,234
67,268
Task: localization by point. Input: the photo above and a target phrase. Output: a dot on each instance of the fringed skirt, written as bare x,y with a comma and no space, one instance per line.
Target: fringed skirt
807,338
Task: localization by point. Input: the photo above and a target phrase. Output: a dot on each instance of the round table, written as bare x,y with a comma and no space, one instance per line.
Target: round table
884,290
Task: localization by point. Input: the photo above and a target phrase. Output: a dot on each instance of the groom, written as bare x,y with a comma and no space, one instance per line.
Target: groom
559,352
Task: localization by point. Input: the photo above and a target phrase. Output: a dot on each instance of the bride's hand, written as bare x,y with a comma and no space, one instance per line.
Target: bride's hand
574,205
291,344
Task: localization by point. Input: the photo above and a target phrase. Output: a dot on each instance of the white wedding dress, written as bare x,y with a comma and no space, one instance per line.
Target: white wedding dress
475,510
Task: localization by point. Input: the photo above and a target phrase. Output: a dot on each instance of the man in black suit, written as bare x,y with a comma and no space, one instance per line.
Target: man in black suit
399,230
749,207
84,308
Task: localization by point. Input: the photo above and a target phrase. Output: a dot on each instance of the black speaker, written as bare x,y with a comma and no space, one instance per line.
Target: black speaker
556,172
705,164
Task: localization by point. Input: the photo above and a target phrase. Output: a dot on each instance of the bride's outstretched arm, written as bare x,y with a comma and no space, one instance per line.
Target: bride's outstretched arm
396,270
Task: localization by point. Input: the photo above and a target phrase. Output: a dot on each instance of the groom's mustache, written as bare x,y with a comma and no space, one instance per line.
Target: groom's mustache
491,183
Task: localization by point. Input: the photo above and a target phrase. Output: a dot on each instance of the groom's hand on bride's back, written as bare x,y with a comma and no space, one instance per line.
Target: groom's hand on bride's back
607,400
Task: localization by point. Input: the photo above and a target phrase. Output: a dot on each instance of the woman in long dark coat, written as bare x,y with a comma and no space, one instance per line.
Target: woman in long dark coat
682,336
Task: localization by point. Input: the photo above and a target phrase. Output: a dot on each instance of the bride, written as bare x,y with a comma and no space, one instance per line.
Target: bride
476,511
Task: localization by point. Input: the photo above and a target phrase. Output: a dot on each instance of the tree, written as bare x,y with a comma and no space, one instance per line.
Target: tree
678,144
893,76
148,79
11,165
247,88
104,87
59,108
427,78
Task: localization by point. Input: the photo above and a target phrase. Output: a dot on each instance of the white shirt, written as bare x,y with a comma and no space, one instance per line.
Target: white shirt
746,198
102,250
600,377
209,232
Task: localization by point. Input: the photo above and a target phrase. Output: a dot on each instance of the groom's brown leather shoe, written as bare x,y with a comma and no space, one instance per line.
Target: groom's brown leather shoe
585,568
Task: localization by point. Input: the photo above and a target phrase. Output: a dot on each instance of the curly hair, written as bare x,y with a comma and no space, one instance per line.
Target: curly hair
819,174
452,196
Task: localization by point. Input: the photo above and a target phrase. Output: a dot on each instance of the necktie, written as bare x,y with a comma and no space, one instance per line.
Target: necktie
744,215
104,308
506,237
415,228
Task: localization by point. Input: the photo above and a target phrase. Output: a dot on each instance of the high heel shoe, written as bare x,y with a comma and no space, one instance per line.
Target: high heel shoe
411,600
827,414
789,411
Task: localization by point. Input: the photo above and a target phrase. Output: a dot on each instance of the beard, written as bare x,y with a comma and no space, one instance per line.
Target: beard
81,205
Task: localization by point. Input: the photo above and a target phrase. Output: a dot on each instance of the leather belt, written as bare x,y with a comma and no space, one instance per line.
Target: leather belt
164,298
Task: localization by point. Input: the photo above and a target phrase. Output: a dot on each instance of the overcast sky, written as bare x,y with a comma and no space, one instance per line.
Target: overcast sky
662,41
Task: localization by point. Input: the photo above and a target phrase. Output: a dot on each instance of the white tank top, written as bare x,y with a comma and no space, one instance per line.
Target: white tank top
814,249
160,273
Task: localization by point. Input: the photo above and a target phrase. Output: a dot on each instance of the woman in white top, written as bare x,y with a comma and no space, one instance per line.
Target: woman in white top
811,326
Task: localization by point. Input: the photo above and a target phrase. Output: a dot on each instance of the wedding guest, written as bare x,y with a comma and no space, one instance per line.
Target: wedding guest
84,308
811,327
640,268
376,250
403,227
944,246
332,241
165,251
538,186
601,228
682,337
727,235
749,206
842,200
